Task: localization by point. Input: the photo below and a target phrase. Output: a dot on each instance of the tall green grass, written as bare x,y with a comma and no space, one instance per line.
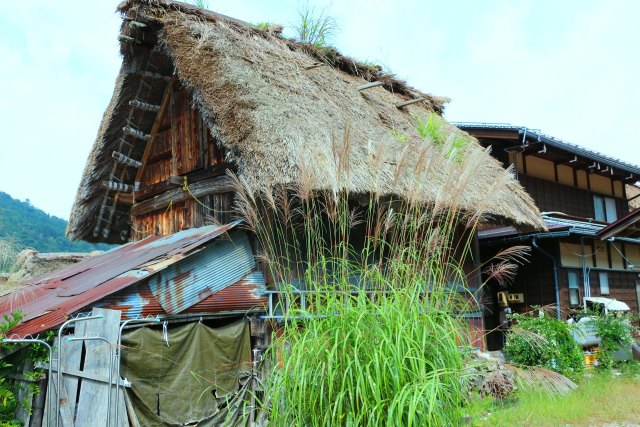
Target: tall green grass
379,339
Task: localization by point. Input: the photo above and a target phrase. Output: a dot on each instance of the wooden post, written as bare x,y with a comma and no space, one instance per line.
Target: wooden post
124,160
136,133
409,102
135,103
118,186
137,25
152,75
126,39
154,129
369,85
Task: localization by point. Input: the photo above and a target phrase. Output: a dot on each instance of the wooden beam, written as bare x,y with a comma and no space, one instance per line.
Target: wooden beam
137,25
124,198
88,375
125,160
409,102
136,133
177,181
154,129
152,75
118,186
316,65
217,185
369,85
126,39
141,105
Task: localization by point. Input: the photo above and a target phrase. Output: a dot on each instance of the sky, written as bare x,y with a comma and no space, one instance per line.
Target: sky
568,68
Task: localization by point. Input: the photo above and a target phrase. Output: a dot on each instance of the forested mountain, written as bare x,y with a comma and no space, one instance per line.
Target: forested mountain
25,226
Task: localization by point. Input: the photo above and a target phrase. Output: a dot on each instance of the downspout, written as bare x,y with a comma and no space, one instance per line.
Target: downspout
534,243
586,282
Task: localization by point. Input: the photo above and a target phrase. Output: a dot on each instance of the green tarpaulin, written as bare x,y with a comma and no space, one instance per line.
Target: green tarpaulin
190,380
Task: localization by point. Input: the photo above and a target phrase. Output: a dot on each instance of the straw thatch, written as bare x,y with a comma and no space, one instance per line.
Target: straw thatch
282,121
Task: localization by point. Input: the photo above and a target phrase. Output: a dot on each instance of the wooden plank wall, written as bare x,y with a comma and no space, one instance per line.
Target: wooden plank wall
70,361
211,209
555,197
183,143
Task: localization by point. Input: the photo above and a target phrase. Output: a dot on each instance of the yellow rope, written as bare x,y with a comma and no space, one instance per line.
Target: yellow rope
185,187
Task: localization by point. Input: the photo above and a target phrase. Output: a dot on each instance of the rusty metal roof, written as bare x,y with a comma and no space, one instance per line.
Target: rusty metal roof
48,300
245,295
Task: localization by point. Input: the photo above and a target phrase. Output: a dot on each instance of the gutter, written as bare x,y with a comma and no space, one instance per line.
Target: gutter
534,243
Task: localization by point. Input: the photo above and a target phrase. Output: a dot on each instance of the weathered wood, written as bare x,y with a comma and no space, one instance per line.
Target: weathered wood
141,105
88,375
137,25
177,181
23,395
409,102
370,85
38,404
71,358
126,39
174,134
136,133
152,75
154,189
316,65
93,401
154,129
217,185
118,186
125,198
133,418
125,160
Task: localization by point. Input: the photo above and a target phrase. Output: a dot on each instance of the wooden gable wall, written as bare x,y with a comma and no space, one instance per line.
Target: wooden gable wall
182,147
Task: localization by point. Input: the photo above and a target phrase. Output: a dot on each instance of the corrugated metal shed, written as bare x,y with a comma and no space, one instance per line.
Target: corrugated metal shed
243,296
221,264
48,300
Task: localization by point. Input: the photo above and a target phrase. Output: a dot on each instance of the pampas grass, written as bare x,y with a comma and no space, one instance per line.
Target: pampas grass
379,339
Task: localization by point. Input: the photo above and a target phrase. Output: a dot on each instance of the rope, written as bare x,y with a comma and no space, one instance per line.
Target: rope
185,187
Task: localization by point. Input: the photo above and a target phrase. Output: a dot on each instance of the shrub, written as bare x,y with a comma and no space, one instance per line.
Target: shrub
546,342
615,332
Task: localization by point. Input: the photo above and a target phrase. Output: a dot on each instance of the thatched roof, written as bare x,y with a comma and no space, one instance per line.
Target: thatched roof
282,119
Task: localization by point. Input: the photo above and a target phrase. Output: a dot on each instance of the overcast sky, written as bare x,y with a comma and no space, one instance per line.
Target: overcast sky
568,68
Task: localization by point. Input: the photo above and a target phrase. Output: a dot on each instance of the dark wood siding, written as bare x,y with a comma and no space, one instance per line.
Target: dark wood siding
556,197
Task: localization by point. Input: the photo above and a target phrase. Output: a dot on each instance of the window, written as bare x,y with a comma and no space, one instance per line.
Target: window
574,288
604,283
604,209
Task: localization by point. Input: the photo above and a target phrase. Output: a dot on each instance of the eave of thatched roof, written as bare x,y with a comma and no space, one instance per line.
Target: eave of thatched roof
281,118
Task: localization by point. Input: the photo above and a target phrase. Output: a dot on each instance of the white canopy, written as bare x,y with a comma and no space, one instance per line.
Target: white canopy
610,304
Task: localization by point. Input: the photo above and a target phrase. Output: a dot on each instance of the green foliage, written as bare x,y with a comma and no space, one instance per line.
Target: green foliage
600,400
264,25
431,129
314,27
24,226
399,136
615,332
9,403
202,4
546,342
379,339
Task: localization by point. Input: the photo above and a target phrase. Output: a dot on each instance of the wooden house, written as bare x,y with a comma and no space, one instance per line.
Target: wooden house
200,95
592,246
